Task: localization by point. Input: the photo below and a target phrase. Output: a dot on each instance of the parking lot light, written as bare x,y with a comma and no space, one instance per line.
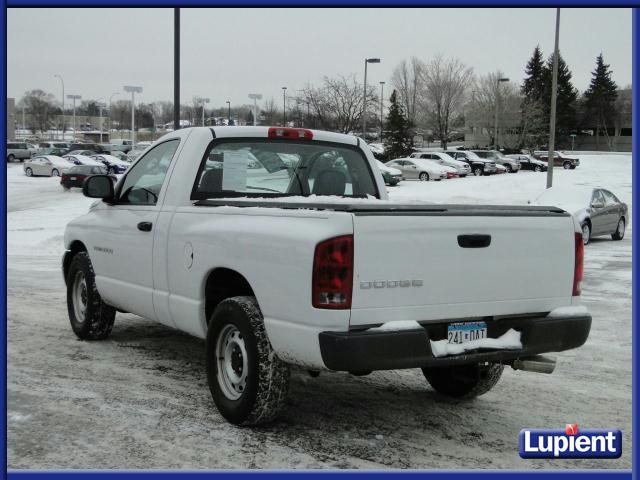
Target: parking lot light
133,90
204,100
228,102
110,100
74,98
62,81
284,106
255,97
495,130
364,100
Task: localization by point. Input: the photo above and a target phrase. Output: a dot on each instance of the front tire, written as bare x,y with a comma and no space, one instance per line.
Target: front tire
478,171
464,381
586,233
509,168
28,172
423,177
248,382
90,317
566,165
619,233
11,158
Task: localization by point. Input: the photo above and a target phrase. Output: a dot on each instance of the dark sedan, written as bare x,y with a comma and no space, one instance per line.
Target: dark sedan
75,176
527,162
598,211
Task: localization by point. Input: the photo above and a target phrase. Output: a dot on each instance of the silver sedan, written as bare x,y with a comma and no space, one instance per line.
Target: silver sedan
47,165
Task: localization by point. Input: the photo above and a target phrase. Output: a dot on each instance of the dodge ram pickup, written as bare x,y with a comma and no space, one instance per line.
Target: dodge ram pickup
279,247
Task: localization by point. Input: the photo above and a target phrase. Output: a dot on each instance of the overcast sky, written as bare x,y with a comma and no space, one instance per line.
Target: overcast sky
228,53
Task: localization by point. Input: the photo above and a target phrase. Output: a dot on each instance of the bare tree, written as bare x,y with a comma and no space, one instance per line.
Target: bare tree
407,79
338,103
445,85
272,115
39,107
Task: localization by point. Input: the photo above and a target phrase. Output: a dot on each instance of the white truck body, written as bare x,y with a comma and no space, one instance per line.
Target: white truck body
409,263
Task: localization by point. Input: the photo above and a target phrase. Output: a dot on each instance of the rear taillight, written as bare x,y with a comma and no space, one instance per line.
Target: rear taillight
333,273
578,269
452,175
290,133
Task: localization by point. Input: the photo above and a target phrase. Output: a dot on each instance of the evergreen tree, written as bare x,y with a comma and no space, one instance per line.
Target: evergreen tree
566,97
534,83
600,97
398,140
535,118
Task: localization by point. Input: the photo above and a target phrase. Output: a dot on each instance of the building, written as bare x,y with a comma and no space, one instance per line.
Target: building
11,118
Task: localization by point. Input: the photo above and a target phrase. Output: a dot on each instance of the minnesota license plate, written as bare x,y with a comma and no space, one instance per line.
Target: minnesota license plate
466,332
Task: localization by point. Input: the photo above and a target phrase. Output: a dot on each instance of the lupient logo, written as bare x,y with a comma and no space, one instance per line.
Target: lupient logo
570,443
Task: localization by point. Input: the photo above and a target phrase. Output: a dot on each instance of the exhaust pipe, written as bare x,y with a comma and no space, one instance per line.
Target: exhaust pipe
537,363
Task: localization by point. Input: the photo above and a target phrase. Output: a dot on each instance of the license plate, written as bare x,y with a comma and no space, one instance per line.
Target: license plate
73,178
466,332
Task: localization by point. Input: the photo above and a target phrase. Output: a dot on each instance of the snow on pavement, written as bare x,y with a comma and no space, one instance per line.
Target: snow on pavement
140,399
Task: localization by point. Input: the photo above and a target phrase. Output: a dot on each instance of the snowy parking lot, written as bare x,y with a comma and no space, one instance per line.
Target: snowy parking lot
140,399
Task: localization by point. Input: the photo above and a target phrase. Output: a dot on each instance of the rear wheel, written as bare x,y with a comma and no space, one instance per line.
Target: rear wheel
11,158
464,381
619,233
566,165
28,172
55,173
537,168
423,177
248,382
509,168
586,233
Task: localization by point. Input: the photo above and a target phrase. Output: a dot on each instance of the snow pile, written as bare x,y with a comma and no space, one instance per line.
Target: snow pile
577,311
396,326
509,341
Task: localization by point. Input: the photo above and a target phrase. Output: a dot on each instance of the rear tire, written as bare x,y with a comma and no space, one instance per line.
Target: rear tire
619,233
90,317
11,158
55,172
586,233
509,168
464,381
28,172
423,177
248,382
537,168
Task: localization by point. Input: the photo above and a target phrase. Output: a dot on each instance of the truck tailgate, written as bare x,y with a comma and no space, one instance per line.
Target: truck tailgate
460,262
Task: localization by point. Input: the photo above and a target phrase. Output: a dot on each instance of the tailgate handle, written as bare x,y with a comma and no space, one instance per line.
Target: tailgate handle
474,241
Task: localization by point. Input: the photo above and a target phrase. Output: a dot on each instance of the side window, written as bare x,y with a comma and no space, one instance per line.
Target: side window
142,184
609,198
597,197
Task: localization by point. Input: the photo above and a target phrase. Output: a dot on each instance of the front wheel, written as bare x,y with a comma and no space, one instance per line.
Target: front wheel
478,171
423,177
566,165
586,233
248,382
619,233
90,317
11,158
28,172
509,168
464,381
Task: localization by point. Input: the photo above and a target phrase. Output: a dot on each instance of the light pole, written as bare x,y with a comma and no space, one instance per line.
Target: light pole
284,106
495,130
381,100
204,100
554,94
100,107
133,90
228,102
255,97
62,81
364,100
74,98
110,99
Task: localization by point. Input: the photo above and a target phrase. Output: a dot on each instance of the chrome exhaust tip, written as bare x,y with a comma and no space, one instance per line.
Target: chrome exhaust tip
537,363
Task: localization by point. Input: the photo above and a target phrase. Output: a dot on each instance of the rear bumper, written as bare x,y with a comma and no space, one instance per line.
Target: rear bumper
388,350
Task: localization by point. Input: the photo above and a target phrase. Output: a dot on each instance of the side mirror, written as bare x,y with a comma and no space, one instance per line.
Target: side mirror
99,186
597,205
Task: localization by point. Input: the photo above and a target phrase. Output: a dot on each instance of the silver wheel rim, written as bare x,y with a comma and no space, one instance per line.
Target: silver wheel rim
28,172
585,234
231,355
79,294
477,172
567,166
55,172
621,228
423,177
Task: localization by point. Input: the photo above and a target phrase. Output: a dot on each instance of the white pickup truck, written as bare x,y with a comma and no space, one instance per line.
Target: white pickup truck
279,247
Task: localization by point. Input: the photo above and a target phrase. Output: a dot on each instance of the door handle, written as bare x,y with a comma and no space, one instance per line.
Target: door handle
474,241
145,226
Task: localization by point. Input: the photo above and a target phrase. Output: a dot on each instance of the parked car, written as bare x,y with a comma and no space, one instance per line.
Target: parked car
500,169
113,164
392,176
82,160
134,153
76,175
18,151
377,149
512,165
94,147
47,165
527,162
462,168
46,147
479,166
349,307
423,170
86,153
117,145
568,162
598,211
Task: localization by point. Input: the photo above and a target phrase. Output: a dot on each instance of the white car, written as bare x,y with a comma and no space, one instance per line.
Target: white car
47,165
319,272
462,168
83,160
422,169
376,148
